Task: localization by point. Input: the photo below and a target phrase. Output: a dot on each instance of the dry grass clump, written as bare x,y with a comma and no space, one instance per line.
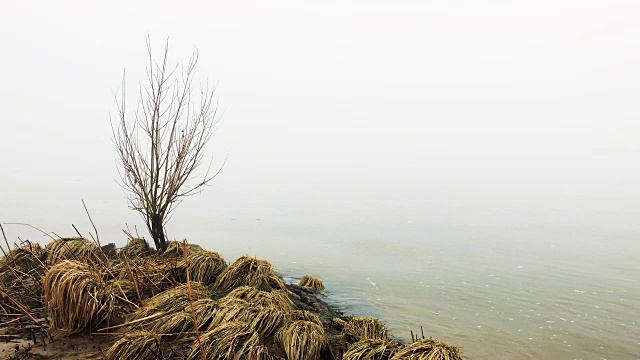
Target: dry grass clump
172,300
21,272
296,315
249,271
204,266
119,287
428,349
230,341
266,320
75,248
152,274
368,349
311,282
137,346
181,323
233,309
76,297
302,340
25,258
277,299
175,249
360,328
136,247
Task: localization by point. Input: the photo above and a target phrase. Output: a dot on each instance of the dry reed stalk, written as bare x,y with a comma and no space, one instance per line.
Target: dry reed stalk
76,297
231,341
134,281
249,271
311,282
370,350
302,340
428,349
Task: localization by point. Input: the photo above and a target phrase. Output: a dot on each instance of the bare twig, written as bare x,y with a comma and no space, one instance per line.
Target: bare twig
77,232
92,224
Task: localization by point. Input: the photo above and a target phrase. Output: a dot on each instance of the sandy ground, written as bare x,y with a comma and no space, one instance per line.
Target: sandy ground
75,347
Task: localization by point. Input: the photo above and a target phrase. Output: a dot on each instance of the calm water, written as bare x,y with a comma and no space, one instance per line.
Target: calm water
502,283
518,293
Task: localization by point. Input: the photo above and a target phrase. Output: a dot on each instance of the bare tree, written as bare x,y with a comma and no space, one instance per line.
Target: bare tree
162,143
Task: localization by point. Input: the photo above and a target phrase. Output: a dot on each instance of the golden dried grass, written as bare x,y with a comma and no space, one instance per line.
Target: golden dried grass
75,248
368,349
204,266
233,310
296,315
174,299
175,249
249,271
152,274
302,340
21,272
180,323
361,328
136,346
76,297
230,341
136,247
26,258
311,282
428,349
277,298
118,287
268,321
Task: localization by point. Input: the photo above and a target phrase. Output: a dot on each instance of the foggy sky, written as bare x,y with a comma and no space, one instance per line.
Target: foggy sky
337,108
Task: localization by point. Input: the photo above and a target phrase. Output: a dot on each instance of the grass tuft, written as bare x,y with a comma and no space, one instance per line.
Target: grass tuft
362,328
75,248
249,271
136,247
277,299
136,346
370,350
302,340
233,340
204,266
428,349
311,282
76,297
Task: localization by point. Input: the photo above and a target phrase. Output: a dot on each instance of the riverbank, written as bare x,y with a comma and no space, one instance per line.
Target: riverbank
75,299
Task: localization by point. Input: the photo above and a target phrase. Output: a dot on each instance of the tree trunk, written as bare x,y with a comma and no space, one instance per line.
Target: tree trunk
157,231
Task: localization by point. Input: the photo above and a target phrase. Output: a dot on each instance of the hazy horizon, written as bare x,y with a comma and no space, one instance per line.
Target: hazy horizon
404,109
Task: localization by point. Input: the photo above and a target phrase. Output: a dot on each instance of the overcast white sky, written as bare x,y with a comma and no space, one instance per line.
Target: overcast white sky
336,106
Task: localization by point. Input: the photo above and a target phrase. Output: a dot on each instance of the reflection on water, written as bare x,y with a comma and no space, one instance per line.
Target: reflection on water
531,297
